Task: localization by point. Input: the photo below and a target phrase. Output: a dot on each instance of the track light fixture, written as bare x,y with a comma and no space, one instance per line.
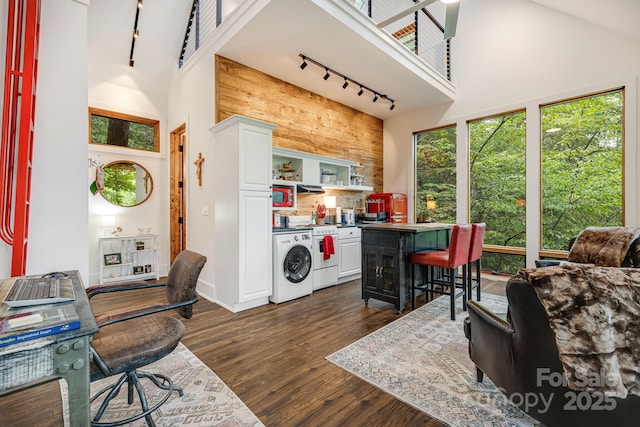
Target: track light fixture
136,33
328,71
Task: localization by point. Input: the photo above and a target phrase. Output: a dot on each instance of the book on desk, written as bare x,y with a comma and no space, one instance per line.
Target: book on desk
29,323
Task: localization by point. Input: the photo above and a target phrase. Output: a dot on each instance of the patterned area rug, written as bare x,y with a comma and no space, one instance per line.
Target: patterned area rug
423,360
207,401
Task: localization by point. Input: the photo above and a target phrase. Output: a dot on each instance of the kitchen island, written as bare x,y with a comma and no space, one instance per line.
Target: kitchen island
386,258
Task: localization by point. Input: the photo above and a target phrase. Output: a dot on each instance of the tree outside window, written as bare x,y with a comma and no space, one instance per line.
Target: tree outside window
435,162
582,174
123,130
497,178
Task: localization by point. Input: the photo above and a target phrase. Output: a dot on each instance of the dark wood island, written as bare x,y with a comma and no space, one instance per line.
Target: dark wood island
386,253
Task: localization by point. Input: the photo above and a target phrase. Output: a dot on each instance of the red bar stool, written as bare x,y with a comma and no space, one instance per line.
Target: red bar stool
456,255
475,253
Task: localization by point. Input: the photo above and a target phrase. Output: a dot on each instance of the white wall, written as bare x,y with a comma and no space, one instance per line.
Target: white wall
515,54
115,86
58,214
192,101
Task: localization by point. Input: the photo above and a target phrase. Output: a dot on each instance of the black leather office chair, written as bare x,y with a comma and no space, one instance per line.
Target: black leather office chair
132,338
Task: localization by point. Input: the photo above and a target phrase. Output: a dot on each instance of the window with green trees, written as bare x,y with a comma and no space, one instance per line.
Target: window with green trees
435,162
123,130
582,167
497,178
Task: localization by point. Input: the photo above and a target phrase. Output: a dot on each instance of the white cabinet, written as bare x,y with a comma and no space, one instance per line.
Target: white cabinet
293,167
242,232
125,258
349,253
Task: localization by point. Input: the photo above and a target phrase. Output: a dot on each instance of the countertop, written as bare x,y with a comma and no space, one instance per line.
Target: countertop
408,228
309,227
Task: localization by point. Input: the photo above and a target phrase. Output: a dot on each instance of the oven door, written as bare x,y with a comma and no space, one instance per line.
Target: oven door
318,253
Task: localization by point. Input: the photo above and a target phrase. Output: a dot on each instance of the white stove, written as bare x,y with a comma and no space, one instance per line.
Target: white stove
325,265
323,230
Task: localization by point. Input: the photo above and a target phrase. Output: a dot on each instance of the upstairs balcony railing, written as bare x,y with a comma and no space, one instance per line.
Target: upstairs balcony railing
420,32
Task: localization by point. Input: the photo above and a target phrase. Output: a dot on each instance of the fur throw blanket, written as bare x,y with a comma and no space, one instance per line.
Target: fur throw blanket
595,315
603,246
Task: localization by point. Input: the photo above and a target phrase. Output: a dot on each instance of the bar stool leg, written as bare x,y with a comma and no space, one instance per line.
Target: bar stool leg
478,280
452,284
413,286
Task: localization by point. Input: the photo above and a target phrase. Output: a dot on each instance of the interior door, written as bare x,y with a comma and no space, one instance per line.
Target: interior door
177,202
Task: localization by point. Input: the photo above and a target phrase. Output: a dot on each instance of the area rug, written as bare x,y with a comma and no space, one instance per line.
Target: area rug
207,401
423,360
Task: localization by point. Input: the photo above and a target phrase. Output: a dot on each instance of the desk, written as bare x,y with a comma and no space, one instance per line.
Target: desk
64,355
386,257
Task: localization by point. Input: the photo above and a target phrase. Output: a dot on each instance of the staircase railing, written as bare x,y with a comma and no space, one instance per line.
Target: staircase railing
420,32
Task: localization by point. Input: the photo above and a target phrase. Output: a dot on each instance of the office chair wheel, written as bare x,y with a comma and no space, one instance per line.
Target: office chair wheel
133,381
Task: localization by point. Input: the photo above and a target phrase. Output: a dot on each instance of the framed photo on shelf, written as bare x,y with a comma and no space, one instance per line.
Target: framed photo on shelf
112,259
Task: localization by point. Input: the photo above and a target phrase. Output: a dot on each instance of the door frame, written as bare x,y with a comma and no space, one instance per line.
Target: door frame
177,192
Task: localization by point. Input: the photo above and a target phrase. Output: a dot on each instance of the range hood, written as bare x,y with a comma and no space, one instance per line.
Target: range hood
304,188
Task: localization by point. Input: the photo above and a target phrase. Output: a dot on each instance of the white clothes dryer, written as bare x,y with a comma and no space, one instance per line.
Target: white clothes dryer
292,266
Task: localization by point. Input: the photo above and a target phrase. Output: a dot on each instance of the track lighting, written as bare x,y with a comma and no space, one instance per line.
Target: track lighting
135,33
347,80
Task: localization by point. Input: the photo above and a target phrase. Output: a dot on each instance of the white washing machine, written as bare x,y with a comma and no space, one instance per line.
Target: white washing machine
292,266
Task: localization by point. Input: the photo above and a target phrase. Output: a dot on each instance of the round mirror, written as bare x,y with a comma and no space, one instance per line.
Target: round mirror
126,183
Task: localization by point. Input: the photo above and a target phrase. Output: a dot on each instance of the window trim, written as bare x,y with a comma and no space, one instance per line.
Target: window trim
130,118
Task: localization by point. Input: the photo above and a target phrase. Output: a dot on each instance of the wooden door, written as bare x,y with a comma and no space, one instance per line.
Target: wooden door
177,184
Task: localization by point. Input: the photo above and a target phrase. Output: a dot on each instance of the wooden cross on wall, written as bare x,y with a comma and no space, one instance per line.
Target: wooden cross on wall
198,164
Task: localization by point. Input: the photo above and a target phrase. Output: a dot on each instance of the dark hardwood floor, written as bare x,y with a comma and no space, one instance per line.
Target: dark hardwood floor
273,357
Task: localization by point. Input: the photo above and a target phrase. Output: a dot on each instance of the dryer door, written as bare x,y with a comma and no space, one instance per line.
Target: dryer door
297,264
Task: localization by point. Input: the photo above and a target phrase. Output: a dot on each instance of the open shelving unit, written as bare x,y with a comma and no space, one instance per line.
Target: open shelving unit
292,167
126,258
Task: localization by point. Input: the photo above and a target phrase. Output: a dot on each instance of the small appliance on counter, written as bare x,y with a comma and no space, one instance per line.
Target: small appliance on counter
349,216
386,207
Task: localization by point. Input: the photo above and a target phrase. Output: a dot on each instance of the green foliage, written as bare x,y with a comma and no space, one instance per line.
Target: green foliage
581,166
581,163
497,171
120,186
112,131
436,173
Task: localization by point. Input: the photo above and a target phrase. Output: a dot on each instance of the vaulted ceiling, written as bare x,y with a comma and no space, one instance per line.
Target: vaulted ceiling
273,39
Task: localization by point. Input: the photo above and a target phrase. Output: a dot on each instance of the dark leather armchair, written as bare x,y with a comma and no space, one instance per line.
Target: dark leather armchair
132,338
520,356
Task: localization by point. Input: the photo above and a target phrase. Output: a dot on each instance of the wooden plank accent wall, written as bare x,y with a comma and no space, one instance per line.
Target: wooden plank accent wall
306,122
